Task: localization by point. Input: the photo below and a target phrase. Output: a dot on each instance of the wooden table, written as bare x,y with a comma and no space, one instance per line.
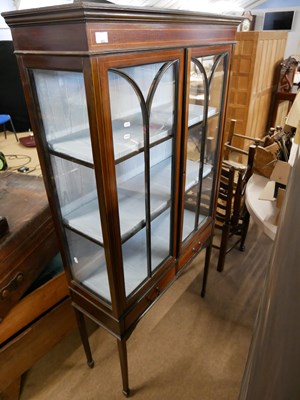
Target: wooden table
263,212
279,97
24,253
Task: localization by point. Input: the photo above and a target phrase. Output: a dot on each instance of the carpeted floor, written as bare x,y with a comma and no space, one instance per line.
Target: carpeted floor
185,347
18,155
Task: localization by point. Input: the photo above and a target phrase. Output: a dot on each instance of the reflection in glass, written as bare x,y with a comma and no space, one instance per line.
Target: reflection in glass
142,102
205,98
62,102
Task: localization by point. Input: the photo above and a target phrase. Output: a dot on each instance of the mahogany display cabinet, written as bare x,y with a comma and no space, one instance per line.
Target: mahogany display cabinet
127,108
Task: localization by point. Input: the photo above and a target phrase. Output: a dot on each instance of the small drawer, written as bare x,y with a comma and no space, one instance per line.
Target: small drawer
150,297
195,246
24,269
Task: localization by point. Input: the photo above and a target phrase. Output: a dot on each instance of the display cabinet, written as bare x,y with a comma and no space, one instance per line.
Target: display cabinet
127,109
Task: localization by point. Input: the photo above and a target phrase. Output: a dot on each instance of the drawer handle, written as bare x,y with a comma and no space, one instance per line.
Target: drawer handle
154,294
12,285
195,249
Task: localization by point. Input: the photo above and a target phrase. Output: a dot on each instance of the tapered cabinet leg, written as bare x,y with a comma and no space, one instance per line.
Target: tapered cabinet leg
84,337
124,366
206,268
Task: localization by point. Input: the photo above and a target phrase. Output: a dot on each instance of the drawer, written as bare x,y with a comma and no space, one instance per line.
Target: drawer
149,298
30,243
195,246
25,264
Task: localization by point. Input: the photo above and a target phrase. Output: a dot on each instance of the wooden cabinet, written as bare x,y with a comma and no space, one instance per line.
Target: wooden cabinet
255,62
35,309
127,106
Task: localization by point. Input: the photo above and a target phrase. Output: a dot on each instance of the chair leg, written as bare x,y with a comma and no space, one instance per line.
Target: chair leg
206,268
244,232
13,128
223,248
4,130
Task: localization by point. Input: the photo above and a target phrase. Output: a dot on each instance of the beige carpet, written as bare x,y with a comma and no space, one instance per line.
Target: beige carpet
184,348
18,155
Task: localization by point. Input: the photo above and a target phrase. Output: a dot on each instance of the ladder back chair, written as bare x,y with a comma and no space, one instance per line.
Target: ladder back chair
232,216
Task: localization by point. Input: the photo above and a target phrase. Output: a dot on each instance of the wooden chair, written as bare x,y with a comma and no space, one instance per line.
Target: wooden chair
232,216
231,150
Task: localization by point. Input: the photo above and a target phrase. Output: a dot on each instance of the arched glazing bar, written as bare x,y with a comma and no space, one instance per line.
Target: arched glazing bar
154,85
202,136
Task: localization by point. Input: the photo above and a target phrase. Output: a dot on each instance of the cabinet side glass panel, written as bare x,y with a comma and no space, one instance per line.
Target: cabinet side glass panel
205,96
88,265
144,168
63,109
77,195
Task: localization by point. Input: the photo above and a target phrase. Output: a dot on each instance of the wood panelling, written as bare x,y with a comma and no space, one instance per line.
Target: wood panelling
256,57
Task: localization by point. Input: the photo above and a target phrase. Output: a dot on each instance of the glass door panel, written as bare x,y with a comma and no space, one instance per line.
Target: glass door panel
205,98
63,110
143,97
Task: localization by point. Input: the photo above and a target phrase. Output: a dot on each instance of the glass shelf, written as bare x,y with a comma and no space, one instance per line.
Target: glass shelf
76,189
134,261
196,113
77,146
128,133
87,262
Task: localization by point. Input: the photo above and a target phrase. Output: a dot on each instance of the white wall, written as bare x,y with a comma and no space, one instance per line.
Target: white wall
40,3
6,5
10,5
293,42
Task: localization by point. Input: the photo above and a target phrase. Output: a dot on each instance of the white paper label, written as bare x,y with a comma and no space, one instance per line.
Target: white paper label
101,37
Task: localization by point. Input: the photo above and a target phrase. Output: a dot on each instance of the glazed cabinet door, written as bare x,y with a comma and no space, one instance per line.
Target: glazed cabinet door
206,89
144,109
